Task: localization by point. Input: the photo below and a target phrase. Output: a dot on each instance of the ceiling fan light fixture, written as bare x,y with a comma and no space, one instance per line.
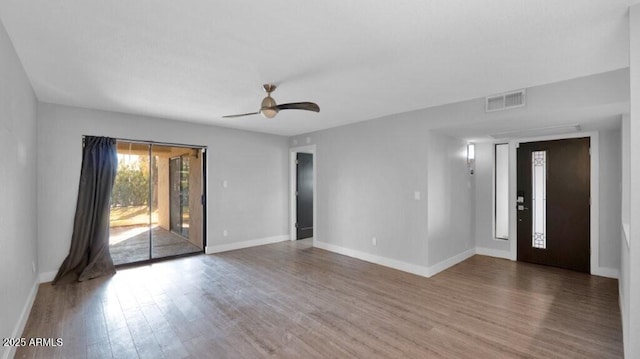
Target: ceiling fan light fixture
268,112
268,107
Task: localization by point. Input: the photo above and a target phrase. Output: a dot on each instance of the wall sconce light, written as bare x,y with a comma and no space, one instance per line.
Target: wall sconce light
471,157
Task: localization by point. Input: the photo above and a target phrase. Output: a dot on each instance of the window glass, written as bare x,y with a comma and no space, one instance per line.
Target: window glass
502,191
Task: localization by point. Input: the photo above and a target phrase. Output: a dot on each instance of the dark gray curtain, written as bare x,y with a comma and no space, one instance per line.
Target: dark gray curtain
89,253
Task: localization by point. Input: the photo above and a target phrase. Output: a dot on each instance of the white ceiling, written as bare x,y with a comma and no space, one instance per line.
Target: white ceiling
197,60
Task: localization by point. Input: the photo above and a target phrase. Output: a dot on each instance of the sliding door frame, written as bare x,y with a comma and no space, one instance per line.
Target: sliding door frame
203,201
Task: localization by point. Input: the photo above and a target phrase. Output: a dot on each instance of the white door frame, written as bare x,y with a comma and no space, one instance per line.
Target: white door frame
595,193
292,189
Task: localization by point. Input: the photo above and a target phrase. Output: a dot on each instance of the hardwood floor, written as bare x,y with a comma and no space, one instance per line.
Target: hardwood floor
290,300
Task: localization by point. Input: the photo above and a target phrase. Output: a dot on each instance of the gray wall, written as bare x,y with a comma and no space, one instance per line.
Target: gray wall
624,282
630,272
367,174
610,200
451,211
18,241
253,206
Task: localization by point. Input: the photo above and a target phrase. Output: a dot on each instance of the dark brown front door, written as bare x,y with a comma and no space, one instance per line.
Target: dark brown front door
304,195
553,206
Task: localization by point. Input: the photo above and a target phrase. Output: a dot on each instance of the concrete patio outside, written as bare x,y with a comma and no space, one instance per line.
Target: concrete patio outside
130,244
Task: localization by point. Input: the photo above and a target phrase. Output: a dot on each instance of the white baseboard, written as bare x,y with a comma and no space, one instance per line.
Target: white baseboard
293,239
10,352
245,244
394,263
490,252
450,262
599,271
372,258
47,277
606,272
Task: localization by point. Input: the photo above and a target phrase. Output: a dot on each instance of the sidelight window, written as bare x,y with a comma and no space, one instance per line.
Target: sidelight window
501,191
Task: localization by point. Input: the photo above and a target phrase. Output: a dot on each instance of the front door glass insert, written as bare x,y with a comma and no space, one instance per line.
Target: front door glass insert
539,198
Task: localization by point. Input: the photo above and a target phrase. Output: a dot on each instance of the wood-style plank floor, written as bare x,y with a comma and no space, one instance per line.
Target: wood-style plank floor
290,300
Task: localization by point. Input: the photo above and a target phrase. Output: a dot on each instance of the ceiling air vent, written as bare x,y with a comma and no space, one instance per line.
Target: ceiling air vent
505,101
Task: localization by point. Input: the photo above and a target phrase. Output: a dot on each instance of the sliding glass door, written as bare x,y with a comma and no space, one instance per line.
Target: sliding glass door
157,203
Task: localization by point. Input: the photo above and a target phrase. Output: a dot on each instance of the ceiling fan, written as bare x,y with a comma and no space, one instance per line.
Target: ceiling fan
269,108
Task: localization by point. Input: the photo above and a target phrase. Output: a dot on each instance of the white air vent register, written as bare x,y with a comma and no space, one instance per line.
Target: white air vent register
505,101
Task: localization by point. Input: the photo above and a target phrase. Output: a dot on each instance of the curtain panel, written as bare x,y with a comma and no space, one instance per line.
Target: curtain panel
89,252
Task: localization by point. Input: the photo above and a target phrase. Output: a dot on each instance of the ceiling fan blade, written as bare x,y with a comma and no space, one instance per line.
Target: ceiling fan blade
307,106
244,114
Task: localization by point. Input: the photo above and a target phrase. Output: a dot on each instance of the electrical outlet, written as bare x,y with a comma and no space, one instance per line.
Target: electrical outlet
374,241
224,233
225,184
416,195
33,266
